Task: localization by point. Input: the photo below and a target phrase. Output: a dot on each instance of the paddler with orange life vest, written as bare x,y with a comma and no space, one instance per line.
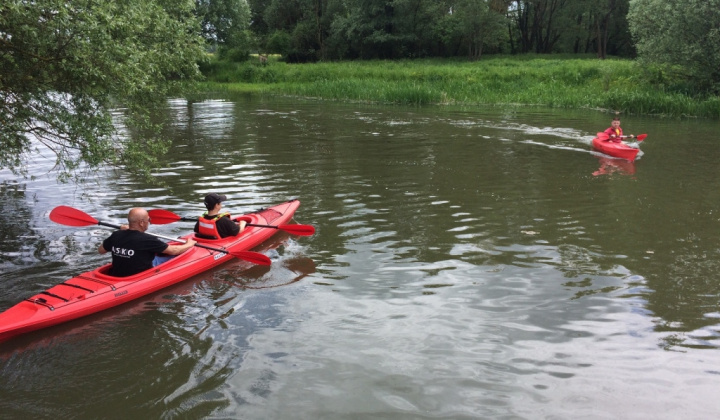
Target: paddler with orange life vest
215,225
615,132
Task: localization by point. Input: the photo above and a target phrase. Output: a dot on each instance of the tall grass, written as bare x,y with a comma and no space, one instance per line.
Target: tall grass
562,82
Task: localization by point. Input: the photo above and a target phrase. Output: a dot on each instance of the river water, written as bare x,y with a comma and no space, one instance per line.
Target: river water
468,263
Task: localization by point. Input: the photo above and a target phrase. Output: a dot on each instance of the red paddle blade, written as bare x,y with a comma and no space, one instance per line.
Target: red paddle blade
602,136
641,137
253,257
300,230
162,217
69,216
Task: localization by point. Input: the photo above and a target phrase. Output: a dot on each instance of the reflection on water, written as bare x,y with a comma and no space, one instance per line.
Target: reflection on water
611,166
468,263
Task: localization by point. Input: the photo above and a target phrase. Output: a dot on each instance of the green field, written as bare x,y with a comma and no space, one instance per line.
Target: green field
560,82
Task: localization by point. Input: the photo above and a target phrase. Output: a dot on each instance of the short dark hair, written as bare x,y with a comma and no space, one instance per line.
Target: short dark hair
212,199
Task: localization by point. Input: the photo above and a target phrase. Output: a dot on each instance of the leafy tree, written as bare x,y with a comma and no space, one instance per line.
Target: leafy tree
67,66
598,26
300,19
540,24
684,33
368,26
392,28
225,23
278,43
480,25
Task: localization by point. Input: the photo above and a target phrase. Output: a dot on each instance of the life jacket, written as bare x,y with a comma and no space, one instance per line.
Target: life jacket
207,228
614,132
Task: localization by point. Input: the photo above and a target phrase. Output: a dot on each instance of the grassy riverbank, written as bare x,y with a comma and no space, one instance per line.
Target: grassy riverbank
612,84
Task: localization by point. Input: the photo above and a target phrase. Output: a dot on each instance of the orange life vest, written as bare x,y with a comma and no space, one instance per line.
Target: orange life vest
208,227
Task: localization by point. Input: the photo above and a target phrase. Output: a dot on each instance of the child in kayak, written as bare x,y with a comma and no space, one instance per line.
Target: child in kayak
615,132
216,225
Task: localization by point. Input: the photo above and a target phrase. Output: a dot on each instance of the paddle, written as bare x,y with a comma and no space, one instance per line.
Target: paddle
163,217
69,216
604,136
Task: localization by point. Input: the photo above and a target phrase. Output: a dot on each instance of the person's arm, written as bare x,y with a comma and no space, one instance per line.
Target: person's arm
179,249
227,227
102,250
234,228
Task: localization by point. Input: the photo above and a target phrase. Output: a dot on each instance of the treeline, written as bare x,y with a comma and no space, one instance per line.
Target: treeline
314,30
679,39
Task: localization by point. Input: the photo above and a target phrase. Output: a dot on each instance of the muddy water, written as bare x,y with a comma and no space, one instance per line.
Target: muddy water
468,263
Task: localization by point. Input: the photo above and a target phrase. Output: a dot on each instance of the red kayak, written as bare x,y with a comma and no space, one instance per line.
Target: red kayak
95,290
616,149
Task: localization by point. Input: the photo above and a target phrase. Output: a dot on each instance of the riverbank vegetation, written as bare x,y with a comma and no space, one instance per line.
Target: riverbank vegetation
92,99
554,81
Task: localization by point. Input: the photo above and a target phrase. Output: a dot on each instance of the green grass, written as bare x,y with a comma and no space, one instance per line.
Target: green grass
553,81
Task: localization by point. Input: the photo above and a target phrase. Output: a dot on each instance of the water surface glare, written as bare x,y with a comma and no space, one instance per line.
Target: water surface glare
468,263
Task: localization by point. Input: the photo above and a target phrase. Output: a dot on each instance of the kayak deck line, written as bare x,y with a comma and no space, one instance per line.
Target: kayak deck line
93,279
46,293
76,286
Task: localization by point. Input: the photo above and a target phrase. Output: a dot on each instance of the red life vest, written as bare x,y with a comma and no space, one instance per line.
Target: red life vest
208,227
614,131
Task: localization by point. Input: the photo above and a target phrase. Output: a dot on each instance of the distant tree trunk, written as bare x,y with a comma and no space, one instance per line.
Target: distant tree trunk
535,20
602,30
523,20
318,16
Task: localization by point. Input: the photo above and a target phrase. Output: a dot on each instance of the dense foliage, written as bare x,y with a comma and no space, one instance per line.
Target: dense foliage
66,65
392,29
225,26
684,34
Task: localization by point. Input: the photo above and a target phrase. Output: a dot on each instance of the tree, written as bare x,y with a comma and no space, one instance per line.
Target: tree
68,67
539,23
302,20
226,23
480,25
599,26
684,33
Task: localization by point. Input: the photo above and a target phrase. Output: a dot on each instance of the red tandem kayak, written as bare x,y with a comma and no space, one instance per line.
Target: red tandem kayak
95,291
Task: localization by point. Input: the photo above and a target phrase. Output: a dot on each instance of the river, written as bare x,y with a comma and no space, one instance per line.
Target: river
468,262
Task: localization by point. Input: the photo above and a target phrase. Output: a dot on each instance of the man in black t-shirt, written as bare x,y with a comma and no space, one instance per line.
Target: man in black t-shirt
133,250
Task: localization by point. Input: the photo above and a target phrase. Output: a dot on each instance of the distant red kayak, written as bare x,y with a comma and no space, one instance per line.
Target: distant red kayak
619,150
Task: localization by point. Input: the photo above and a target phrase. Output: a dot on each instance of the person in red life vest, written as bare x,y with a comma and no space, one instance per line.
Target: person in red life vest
215,225
134,251
615,131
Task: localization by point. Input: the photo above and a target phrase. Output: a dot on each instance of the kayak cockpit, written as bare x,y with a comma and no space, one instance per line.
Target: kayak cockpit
222,241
